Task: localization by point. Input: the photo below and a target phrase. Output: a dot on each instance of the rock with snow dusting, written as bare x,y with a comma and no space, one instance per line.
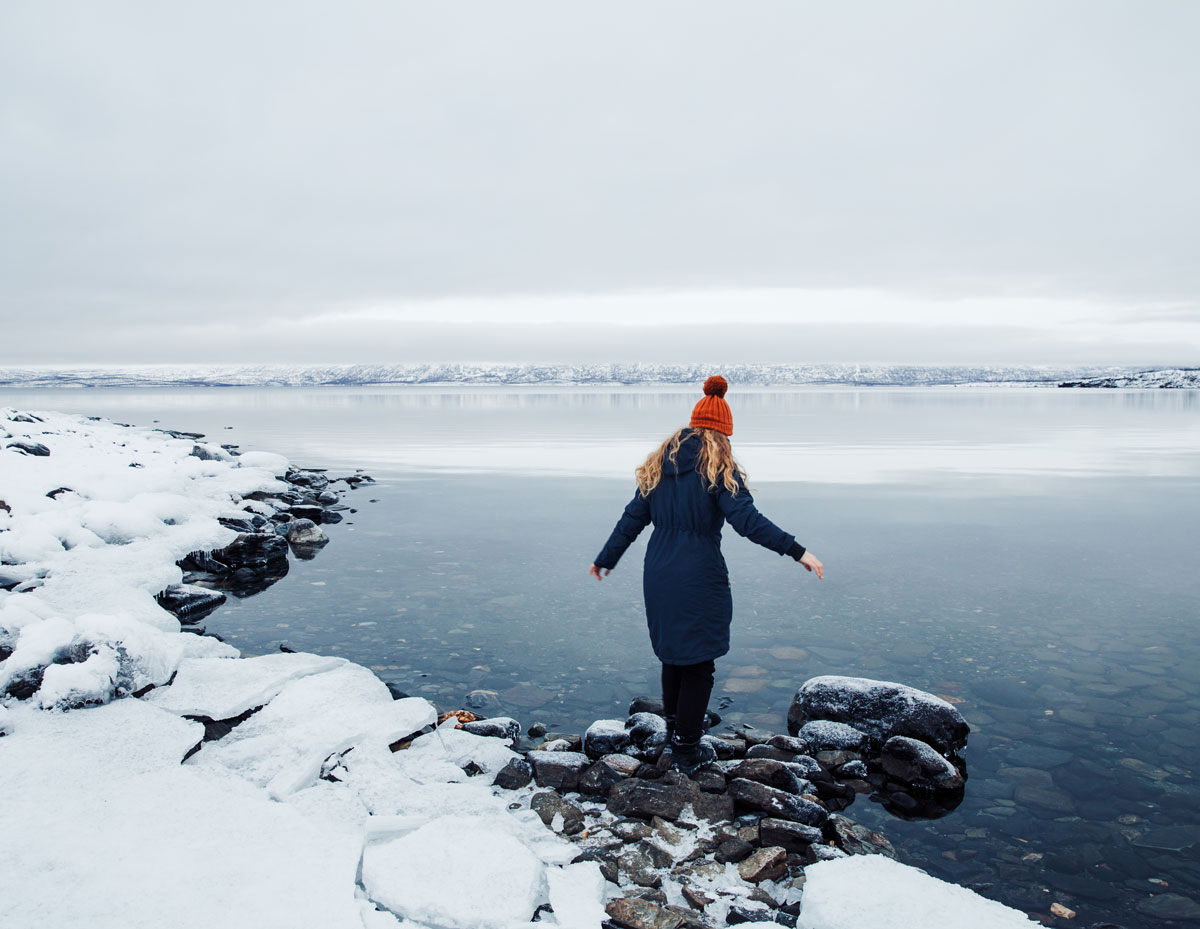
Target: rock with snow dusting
559,770
881,709
497,727
305,532
918,764
605,737
824,735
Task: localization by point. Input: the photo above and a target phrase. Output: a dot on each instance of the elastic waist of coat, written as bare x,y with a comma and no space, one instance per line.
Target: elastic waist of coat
709,532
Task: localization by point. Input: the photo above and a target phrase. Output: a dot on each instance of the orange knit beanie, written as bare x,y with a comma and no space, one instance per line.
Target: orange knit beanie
712,412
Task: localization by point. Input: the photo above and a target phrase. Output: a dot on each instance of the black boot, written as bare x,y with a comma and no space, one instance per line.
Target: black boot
690,757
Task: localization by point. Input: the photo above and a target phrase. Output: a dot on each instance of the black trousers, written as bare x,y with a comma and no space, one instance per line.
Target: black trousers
686,689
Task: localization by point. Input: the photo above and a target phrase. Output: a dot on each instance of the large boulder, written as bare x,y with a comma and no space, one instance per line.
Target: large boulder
880,709
605,737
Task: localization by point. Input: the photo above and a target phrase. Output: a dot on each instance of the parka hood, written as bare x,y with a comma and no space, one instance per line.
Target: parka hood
685,460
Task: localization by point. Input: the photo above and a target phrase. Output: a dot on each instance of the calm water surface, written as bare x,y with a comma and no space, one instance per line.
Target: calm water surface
1028,554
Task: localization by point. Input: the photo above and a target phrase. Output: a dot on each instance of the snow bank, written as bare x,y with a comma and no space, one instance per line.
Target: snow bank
872,890
89,534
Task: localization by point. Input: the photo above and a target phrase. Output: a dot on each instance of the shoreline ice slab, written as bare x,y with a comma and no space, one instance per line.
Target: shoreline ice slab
871,890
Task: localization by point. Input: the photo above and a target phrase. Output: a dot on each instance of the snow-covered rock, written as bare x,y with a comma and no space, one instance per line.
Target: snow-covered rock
417,876
881,709
875,891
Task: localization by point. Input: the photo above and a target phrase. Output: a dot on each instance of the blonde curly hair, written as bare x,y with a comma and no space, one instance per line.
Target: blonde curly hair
716,462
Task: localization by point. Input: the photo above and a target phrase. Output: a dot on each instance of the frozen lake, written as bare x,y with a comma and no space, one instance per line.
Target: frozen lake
1028,552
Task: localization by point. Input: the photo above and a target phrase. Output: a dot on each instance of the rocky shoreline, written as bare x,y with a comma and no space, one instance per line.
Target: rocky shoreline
677,847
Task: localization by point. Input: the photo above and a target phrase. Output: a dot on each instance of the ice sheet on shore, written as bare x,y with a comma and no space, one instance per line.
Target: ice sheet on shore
875,891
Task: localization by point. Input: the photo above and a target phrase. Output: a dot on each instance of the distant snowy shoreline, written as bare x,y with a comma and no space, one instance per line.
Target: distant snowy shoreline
594,375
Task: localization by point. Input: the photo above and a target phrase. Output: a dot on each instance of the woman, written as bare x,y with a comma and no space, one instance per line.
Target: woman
688,488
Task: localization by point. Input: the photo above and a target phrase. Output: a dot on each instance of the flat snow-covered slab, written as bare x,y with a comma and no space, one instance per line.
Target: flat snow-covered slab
221,688
871,890
104,828
282,746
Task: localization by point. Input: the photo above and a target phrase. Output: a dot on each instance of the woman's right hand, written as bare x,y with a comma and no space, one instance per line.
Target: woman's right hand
812,563
595,572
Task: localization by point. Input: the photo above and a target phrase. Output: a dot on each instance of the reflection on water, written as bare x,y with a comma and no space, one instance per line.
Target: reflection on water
1025,554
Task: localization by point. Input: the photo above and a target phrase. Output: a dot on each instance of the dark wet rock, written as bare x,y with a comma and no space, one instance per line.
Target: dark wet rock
599,779
881,709
305,532
667,798
635,864
789,743
695,898
733,850
252,550
307,511
769,751
190,602
514,775
739,914
822,735
549,804
52,494
855,839
24,684
630,830
536,731
709,779
558,770
30,448
655,706
605,737
768,771
632,913
657,852
314,480
777,803
32,418
766,864
241,524
498,727
786,834
854,769
636,797
918,764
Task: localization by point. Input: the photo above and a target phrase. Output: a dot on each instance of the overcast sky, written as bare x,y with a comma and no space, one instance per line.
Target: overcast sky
398,181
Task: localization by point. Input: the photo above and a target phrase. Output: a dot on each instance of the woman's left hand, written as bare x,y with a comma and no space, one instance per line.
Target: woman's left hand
812,563
595,572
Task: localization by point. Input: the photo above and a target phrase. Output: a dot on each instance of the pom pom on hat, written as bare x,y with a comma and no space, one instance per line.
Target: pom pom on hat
712,412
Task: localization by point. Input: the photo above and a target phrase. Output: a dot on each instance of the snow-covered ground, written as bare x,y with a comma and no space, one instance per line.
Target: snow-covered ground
116,813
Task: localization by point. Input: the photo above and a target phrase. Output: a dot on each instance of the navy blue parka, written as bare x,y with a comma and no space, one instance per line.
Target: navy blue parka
685,580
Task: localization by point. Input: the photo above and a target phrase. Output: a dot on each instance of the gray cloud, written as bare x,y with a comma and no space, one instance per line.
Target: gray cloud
233,162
